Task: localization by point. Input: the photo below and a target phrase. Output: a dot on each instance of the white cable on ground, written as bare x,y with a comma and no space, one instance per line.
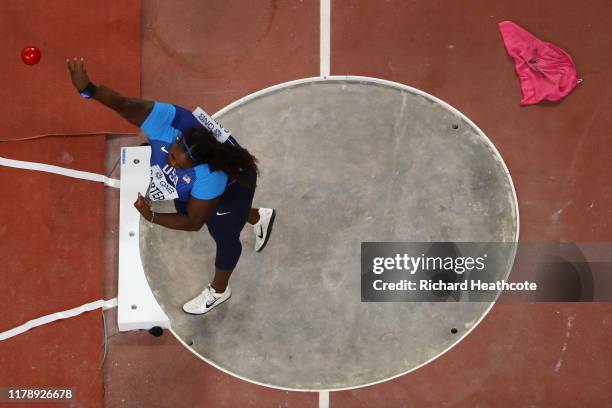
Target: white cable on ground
84,175
104,304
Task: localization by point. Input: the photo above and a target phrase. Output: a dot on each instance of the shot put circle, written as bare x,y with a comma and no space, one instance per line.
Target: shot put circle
343,160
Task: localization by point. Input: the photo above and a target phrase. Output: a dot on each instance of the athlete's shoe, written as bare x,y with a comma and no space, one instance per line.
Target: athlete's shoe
263,228
207,300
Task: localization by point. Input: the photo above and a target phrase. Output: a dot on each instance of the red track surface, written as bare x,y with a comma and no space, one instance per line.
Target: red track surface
211,53
52,226
559,158
40,98
52,255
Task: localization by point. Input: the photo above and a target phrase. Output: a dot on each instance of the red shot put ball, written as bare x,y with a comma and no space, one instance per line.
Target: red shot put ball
30,55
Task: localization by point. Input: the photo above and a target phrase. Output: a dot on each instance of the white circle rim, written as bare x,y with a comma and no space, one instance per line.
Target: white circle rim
392,84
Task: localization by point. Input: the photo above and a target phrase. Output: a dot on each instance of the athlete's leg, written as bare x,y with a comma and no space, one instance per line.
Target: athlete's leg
221,279
226,233
227,238
225,225
253,216
225,230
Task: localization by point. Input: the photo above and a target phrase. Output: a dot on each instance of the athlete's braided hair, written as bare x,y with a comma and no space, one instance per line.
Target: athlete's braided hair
236,161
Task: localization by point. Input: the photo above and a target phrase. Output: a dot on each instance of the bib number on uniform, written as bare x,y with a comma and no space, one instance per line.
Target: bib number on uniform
159,188
220,133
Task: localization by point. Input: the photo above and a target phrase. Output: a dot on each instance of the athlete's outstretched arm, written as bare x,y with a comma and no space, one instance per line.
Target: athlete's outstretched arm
133,110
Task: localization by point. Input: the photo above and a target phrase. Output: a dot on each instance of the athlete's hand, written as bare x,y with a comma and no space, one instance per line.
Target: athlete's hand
78,73
143,207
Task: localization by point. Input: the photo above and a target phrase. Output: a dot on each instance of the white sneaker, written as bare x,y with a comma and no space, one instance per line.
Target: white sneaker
263,228
206,300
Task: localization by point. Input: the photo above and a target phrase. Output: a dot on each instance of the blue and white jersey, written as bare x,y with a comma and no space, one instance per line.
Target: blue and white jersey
162,126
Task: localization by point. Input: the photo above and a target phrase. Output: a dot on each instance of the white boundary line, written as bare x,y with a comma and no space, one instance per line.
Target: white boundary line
62,171
325,38
391,84
104,304
323,399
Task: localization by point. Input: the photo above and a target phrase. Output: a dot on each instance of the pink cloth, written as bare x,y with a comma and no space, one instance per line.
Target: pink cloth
544,70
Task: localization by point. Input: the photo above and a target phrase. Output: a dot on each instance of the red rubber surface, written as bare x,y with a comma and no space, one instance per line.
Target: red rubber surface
40,98
209,53
52,227
52,254
522,354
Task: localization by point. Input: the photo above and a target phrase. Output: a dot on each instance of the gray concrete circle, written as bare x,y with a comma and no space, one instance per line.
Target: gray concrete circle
343,161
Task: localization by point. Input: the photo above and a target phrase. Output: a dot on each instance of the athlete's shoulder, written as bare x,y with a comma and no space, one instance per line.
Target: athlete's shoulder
204,170
208,184
158,124
166,121
184,119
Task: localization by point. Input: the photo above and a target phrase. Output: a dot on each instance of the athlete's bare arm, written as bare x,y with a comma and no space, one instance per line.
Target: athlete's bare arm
133,110
198,214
